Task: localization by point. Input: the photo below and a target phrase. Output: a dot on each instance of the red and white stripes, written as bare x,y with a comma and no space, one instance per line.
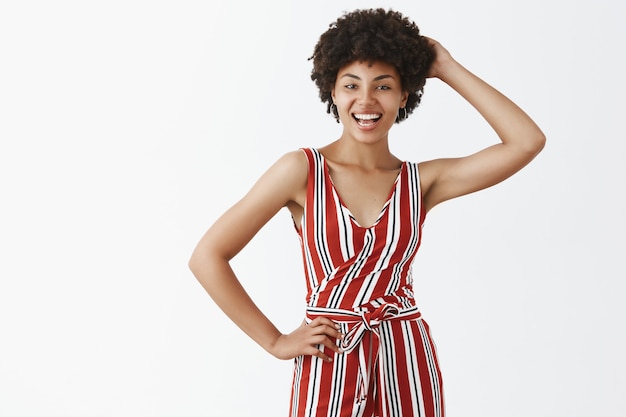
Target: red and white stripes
361,278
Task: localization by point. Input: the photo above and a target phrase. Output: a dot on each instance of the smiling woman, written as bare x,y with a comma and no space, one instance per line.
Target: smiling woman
363,348
369,36
371,94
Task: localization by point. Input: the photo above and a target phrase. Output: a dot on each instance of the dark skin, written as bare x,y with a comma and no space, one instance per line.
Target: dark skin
363,171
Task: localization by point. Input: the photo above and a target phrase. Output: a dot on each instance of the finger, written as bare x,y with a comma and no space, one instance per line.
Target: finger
322,325
323,340
330,344
318,351
323,321
329,331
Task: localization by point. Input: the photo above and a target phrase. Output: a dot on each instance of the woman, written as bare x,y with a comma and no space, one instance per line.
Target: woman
363,348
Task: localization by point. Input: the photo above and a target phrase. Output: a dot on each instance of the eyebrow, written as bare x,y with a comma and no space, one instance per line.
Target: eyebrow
380,77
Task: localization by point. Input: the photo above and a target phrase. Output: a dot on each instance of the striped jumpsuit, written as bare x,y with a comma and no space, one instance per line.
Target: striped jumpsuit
361,278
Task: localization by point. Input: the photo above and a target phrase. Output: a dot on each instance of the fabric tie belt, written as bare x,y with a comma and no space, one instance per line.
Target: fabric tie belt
360,322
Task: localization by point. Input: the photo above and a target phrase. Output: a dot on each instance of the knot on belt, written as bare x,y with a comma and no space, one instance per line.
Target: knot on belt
370,321
359,324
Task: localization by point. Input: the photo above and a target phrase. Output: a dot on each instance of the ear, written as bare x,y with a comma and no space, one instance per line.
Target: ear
332,94
405,97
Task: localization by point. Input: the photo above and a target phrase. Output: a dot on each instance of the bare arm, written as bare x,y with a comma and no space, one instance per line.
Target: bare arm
521,139
281,184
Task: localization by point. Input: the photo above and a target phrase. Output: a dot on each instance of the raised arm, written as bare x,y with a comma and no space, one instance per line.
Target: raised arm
284,184
521,139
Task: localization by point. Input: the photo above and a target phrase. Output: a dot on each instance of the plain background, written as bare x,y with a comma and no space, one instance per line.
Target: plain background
128,127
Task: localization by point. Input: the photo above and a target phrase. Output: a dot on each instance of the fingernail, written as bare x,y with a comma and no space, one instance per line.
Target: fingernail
337,326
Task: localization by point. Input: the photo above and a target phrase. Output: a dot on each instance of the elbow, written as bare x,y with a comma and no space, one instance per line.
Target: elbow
202,269
535,144
541,141
199,261
194,263
205,261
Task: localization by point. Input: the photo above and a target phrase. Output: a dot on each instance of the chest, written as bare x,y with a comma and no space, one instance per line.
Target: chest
363,194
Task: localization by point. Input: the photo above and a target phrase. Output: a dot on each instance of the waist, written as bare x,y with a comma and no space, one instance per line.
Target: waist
358,322
370,315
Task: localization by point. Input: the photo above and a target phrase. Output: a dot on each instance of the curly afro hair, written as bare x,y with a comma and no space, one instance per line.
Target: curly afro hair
370,35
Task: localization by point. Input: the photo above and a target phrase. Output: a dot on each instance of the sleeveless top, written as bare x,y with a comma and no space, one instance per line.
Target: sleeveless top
353,268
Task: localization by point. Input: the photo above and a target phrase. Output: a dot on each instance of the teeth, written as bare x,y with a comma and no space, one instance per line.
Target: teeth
367,116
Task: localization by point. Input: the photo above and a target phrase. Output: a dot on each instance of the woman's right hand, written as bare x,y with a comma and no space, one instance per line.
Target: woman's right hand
309,339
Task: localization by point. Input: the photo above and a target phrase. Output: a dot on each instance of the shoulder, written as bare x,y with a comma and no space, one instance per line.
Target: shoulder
293,163
284,181
289,173
429,172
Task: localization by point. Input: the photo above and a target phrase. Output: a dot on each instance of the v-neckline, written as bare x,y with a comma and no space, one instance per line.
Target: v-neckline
382,211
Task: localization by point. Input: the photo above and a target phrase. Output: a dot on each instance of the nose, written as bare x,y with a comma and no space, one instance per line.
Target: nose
366,96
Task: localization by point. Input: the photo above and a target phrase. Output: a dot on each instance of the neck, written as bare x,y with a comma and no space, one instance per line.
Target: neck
366,155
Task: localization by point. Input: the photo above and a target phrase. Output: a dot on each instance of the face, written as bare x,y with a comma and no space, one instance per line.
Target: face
368,97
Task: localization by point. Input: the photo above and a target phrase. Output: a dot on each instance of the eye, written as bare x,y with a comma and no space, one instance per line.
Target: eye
351,86
383,87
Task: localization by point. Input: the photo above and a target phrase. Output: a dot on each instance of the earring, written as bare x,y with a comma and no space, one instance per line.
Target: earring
402,117
334,112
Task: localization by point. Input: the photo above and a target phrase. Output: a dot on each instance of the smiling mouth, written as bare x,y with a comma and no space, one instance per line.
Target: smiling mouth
367,119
